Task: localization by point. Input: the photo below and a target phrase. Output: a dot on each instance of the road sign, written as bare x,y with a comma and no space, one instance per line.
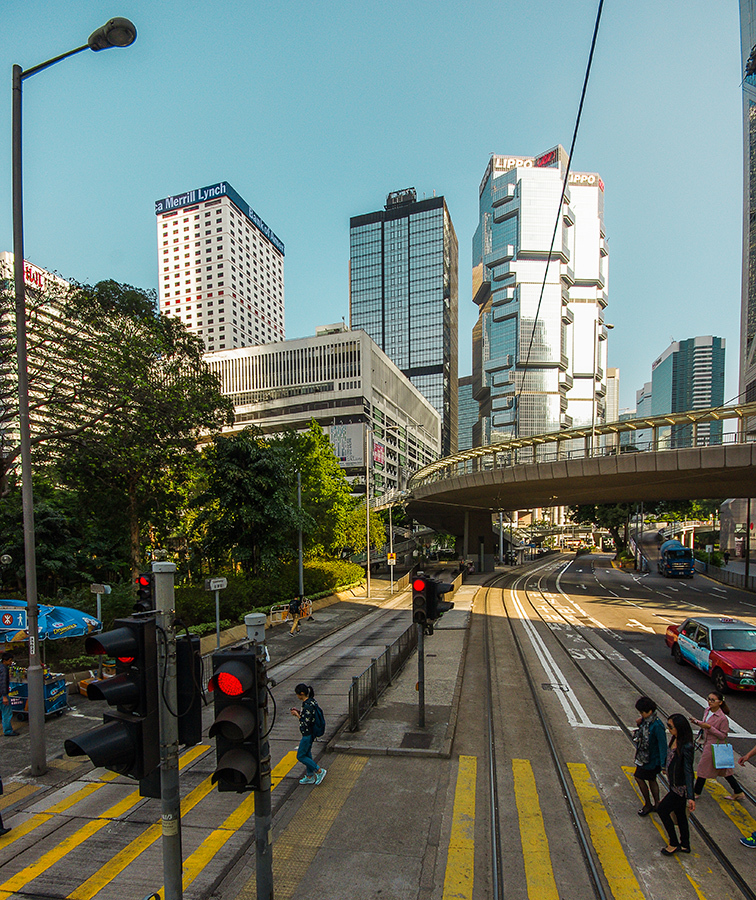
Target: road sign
99,588
215,584
13,618
392,559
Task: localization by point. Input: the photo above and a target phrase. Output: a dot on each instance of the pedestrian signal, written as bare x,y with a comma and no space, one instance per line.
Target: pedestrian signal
145,600
129,740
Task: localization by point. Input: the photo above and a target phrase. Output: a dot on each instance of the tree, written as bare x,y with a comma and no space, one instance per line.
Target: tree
247,515
612,516
119,397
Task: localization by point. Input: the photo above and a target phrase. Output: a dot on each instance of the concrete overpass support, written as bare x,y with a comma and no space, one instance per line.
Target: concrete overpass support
482,542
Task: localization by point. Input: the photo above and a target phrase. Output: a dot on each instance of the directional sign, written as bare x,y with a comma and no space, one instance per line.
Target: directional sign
99,588
13,618
215,584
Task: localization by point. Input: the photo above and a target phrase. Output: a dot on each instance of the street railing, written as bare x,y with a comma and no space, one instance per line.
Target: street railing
368,687
676,431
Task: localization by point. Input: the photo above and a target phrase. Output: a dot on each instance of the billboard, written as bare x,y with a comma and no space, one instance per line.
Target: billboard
348,443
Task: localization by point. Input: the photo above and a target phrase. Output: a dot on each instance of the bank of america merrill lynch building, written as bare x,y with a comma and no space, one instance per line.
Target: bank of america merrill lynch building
403,293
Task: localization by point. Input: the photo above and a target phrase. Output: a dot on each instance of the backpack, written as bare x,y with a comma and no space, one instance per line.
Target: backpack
295,606
318,723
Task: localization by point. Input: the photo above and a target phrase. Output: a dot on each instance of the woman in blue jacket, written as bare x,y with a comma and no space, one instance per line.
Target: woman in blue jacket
650,753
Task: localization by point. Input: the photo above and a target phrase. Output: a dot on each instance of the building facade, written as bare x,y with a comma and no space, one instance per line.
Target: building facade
748,289
539,344
347,384
689,375
403,291
467,414
221,268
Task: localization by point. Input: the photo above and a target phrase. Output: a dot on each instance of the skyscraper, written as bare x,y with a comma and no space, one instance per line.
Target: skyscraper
689,375
748,289
539,348
403,293
221,268
468,413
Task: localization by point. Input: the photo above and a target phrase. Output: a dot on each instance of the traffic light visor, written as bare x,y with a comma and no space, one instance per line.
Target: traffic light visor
120,643
233,679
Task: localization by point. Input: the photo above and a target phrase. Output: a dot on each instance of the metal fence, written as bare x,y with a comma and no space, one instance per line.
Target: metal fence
727,576
368,687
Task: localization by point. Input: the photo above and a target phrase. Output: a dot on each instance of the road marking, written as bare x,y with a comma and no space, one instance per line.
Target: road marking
201,857
125,857
535,845
460,860
15,792
301,841
735,729
573,709
617,869
634,623
734,811
629,772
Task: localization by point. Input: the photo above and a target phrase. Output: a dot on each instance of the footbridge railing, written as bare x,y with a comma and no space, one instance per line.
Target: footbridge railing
674,431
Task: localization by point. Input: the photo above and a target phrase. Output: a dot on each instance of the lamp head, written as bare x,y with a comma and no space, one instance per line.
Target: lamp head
117,32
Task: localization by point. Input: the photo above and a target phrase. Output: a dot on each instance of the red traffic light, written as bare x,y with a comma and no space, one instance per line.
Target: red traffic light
418,584
143,581
233,679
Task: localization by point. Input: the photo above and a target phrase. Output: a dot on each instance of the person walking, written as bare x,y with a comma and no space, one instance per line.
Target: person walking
726,556
715,726
307,716
749,842
680,800
7,710
295,610
650,754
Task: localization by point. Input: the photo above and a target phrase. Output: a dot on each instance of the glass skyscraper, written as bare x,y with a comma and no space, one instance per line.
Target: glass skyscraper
748,292
468,413
539,348
403,293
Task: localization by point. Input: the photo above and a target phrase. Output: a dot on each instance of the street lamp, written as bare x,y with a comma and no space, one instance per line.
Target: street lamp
596,338
115,33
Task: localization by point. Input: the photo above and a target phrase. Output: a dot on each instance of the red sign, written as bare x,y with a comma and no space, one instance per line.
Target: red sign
7,619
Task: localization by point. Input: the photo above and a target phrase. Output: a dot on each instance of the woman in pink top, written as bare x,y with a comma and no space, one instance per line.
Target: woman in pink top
716,727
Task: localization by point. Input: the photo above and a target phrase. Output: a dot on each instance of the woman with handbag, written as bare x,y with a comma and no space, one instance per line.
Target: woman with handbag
715,726
680,798
650,753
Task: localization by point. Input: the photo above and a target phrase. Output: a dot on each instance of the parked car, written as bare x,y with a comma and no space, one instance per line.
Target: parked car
722,648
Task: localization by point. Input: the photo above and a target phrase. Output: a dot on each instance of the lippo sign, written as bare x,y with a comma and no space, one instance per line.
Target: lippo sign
588,179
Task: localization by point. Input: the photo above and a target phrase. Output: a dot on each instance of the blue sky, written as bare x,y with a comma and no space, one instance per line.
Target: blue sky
315,111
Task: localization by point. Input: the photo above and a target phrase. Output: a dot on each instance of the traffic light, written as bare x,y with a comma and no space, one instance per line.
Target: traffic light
189,689
436,605
420,593
129,740
145,600
237,678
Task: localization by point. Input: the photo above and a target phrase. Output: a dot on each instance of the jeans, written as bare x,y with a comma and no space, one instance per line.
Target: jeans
304,754
7,720
674,803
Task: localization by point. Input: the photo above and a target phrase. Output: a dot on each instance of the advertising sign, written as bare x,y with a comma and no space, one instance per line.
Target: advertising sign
348,445
379,453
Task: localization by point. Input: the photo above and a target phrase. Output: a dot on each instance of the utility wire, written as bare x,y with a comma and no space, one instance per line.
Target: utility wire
561,201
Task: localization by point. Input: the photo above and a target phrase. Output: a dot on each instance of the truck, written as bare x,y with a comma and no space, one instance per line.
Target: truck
676,560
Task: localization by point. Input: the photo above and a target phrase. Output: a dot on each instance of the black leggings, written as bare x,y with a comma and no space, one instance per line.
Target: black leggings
730,779
674,803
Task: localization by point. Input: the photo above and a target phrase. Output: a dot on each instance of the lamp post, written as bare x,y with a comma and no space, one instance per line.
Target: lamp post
115,33
594,373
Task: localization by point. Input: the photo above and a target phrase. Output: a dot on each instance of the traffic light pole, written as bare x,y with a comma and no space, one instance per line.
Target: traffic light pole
263,808
168,705
421,673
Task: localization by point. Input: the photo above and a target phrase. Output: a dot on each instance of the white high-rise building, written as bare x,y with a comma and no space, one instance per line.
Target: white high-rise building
221,268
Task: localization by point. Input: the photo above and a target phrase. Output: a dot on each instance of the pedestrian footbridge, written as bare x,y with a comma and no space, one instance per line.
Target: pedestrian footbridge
590,465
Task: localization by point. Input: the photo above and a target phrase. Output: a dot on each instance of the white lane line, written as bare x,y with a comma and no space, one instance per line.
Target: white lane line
735,729
697,590
752,605
676,590
573,709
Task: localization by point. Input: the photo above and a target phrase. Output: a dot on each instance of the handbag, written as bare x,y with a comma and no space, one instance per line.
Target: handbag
724,756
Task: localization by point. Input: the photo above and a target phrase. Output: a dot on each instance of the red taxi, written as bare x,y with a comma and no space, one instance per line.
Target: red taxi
722,648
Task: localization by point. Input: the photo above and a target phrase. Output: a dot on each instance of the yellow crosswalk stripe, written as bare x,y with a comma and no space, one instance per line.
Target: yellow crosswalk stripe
629,770
460,860
198,860
125,857
15,792
617,869
29,873
535,845
734,811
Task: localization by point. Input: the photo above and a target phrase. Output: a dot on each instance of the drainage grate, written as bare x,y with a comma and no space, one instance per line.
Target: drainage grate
417,741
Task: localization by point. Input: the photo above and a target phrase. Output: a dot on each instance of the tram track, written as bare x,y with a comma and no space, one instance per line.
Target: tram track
536,596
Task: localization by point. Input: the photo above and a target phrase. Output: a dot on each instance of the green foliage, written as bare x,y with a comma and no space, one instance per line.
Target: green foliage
714,558
682,510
